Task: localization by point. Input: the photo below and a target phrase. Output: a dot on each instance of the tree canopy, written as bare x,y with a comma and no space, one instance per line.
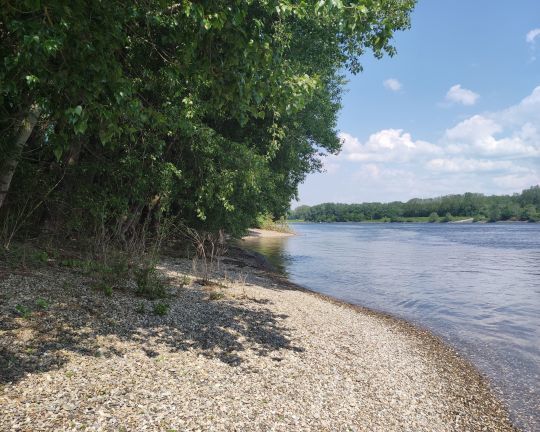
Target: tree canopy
524,206
113,113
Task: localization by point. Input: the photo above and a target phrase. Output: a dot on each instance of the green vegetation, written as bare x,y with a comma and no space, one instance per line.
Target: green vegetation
23,311
518,207
116,119
149,284
161,309
266,222
216,295
42,303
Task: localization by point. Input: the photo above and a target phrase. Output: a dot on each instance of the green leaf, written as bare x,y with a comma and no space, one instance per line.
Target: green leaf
58,153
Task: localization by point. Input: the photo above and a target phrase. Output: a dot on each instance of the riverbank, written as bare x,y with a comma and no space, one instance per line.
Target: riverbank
265,233
246,351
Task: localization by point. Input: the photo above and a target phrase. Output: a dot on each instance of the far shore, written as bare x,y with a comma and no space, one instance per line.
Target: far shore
382,221
241,348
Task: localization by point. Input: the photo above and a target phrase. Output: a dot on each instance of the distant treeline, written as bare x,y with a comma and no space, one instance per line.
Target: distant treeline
517,207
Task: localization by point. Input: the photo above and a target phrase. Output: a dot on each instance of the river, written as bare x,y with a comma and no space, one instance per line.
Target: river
475,285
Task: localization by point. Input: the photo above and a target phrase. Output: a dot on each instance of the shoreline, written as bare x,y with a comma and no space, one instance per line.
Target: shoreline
380,221
264,233
265,354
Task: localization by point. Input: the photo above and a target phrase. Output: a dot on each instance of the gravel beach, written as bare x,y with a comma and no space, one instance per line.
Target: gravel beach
247,351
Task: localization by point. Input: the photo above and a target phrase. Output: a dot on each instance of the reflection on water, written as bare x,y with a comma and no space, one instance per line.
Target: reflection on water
478,286
273,248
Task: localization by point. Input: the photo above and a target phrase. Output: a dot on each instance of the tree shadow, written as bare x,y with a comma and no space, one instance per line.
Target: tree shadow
84,321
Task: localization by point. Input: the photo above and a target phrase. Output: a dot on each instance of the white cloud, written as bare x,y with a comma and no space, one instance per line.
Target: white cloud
385,145
513,132
532,35
517,182
492,152
458,94
459,165
392,84
330,167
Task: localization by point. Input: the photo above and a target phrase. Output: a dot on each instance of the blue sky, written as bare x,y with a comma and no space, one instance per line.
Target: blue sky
456,110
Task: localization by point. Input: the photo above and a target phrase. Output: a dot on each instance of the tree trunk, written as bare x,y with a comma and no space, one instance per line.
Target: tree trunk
6,175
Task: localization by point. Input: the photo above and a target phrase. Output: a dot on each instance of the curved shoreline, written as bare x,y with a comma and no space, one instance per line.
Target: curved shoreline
435,347
246,350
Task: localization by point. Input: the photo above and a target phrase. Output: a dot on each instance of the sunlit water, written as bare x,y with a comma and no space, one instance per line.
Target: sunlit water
476,285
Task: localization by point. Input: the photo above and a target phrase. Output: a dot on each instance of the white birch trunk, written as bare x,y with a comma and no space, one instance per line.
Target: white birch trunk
6,175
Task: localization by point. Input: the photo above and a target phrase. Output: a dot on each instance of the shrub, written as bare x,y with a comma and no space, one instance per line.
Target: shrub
161,309
216,295
23,311
42,303
107,290
149,284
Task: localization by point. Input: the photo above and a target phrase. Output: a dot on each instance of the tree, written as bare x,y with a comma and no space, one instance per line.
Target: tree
193,110
433,217
475,205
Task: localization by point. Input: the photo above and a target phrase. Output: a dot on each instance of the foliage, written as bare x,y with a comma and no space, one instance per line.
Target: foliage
433,217
524,206
216,295
161,309
208,113
447,217
42,303
267,222
149,284
23,311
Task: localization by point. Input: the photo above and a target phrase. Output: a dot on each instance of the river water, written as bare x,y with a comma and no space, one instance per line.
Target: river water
475,285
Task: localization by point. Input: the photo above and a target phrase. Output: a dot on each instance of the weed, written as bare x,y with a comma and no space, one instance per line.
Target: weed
149,284
69,374
140,308
107,290
161,309
216,295
42,303
186,280
23,311
41,256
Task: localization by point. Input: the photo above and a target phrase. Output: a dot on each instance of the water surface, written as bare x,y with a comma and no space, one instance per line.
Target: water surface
476,285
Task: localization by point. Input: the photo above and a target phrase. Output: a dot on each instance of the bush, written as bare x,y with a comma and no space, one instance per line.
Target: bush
216,295
42,303
447,217
161,309
23,311
267,222
149,284
433,217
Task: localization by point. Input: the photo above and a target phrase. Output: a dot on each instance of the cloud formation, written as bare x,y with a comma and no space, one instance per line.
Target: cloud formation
384,146
532,35
497,152
458,94
392,84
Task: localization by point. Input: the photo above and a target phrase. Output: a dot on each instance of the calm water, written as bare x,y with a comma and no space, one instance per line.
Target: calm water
476,285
